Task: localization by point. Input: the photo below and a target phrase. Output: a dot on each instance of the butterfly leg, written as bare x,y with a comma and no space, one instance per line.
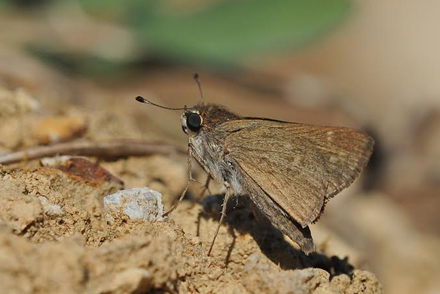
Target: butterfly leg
224,206
186,187
206,187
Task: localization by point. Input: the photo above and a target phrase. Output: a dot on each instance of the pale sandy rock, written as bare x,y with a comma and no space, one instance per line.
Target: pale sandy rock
60,129
137,203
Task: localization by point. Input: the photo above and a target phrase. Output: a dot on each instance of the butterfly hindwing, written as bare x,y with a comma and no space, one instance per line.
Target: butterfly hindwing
299,166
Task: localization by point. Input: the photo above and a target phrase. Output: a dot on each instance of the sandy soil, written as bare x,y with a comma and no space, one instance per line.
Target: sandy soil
54,238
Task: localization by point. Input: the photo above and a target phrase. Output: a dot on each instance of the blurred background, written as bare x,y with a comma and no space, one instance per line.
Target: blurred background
373,65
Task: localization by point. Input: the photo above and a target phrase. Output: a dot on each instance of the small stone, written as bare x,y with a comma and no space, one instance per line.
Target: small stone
82,169
137,204
16,102
50,209
55,161
60,129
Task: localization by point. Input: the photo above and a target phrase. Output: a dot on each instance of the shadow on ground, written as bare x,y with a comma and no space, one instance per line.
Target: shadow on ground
246,219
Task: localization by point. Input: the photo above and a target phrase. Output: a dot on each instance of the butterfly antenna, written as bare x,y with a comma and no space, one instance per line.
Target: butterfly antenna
197,79
143,100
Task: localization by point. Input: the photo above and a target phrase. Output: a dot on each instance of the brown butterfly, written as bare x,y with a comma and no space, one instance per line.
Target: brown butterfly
289,170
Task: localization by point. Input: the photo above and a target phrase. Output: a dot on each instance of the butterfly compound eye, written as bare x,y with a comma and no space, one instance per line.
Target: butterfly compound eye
194,122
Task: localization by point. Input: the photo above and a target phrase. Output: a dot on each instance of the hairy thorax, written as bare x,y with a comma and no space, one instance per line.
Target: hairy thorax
213,158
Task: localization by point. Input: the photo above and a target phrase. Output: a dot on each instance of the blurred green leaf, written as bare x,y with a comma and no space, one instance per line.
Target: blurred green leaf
233,30
220,35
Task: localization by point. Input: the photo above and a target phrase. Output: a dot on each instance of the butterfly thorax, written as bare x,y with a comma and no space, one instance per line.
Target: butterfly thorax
206,142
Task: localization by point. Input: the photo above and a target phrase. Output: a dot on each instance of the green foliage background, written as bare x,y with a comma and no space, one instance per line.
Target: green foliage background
216,36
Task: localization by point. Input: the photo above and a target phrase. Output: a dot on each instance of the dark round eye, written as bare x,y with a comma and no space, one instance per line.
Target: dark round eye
194,122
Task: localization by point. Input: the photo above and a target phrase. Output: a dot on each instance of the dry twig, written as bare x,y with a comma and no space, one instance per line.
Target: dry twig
113,149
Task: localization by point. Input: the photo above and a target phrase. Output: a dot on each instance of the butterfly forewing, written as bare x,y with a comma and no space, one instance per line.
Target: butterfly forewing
299,166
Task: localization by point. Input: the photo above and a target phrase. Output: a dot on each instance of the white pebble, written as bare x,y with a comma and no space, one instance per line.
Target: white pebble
137,204
49,208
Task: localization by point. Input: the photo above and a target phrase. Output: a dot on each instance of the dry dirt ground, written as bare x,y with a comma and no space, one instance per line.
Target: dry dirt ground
55,236
55,239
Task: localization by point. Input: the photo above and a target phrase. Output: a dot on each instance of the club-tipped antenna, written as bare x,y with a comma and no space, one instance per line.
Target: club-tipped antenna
143,100
197,79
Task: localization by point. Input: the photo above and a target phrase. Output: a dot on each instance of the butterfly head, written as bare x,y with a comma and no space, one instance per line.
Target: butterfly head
199,117
204,118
